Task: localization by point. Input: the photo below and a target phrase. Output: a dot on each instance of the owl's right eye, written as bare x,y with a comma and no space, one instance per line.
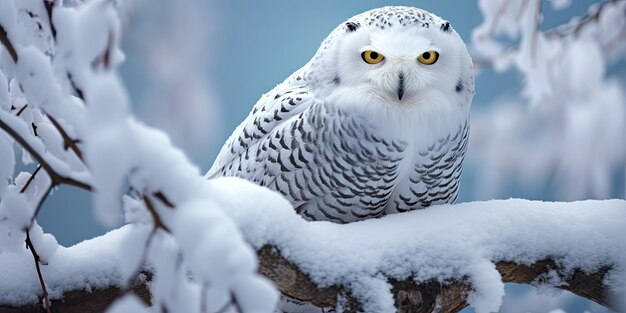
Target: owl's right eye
372,57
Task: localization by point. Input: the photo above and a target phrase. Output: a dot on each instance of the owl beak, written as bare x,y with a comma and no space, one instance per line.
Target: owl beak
400,86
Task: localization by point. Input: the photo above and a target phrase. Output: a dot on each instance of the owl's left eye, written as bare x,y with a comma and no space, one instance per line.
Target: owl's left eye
372,57
428,57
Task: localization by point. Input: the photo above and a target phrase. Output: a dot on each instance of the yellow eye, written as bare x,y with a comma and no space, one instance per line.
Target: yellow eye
372,57
428,57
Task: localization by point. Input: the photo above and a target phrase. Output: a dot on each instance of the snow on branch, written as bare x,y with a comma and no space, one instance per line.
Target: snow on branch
474,244
441,258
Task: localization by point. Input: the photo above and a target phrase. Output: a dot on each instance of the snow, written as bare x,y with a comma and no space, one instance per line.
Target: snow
442,243
46,245
256,294
7,165
128,303
15,213
5,102
89,265
131,251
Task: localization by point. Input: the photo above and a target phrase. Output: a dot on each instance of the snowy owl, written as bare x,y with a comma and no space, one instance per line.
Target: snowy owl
376,123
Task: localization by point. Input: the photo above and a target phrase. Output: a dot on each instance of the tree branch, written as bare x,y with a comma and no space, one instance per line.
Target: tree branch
29,245
575,28
158,223
57,178
409,296
67,141
425,297
572,29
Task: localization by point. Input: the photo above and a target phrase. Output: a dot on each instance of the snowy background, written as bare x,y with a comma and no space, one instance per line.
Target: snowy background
195,71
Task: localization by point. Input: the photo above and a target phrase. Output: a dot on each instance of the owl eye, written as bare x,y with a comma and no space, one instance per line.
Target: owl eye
428,57
372,57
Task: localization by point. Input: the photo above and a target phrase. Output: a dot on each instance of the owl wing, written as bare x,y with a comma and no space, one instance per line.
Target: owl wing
330,164
244,154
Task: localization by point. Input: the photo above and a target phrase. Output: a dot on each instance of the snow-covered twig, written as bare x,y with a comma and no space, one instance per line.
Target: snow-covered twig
4,39
31,178
564,129
156,218
67,141
564,31
576,27
57,178
29,245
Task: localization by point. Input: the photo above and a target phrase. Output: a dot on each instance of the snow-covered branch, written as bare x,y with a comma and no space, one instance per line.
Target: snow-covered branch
432,295
442,258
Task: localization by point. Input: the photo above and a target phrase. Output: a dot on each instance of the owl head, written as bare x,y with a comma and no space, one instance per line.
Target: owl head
395,57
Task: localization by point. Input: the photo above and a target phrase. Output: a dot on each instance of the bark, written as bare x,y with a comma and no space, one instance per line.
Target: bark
409,296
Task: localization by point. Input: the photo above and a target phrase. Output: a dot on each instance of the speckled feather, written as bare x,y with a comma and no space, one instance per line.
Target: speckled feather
368,156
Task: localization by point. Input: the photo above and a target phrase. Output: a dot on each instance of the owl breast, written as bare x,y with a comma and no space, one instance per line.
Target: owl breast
355,173
333,165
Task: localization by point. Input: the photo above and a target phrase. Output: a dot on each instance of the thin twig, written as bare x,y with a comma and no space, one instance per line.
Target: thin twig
29,245
235,302
40,203
21,110
49,4
158,223
161,197
558,32
4,39
77,91
575,28
57,178
67,141
30,179
106,55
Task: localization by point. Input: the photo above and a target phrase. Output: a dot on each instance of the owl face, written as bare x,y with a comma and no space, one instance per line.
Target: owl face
400,65
401,57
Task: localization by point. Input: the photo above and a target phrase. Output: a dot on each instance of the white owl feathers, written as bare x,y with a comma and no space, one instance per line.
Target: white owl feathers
376,123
